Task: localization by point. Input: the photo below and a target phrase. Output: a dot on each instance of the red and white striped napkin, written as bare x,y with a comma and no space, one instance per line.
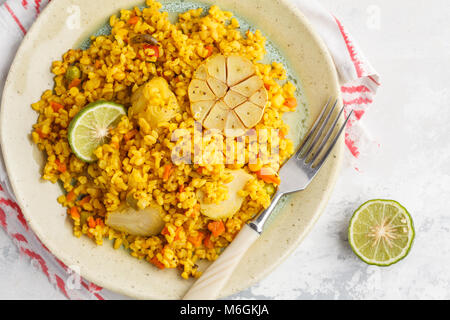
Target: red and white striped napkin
358,79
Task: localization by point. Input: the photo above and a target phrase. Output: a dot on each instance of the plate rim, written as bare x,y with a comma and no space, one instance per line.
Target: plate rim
339,150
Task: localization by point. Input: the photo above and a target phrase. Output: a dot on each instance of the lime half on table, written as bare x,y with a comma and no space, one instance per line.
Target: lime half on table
91,127
381,232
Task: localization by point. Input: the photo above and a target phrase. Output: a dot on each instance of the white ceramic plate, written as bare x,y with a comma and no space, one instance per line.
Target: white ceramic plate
29,76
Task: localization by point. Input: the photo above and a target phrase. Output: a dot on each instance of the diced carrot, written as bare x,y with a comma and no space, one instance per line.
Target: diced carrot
75,83
85,200
157,263
268,175
154,48
74,213
41,134
267,86
273,179
200,170
282,133
130,135
216,227
97,64
210,50
61,166
133,20
291,103
56,106
197,240
99,222
181,188
167,172
207,242
70,196
91,222
165,231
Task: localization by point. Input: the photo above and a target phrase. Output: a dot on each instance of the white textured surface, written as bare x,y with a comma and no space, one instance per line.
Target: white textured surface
411,121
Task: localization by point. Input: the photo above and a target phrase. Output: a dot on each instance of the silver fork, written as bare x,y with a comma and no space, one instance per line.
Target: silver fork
296,174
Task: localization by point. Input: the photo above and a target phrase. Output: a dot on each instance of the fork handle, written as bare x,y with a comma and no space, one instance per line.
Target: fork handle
212,281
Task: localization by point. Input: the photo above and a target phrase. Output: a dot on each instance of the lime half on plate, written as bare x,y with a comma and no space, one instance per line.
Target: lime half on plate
91,126
381,232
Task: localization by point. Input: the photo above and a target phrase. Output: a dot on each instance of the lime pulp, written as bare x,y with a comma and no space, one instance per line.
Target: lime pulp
91,127
381,232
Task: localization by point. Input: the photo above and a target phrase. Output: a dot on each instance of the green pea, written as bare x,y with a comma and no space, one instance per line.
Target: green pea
270,189
132,202
84,217
73,72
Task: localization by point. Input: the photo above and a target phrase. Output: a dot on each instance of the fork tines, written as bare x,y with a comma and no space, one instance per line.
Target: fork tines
320,137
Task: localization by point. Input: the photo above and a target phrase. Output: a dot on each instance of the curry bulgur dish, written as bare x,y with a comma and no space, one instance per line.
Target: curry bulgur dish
149,131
